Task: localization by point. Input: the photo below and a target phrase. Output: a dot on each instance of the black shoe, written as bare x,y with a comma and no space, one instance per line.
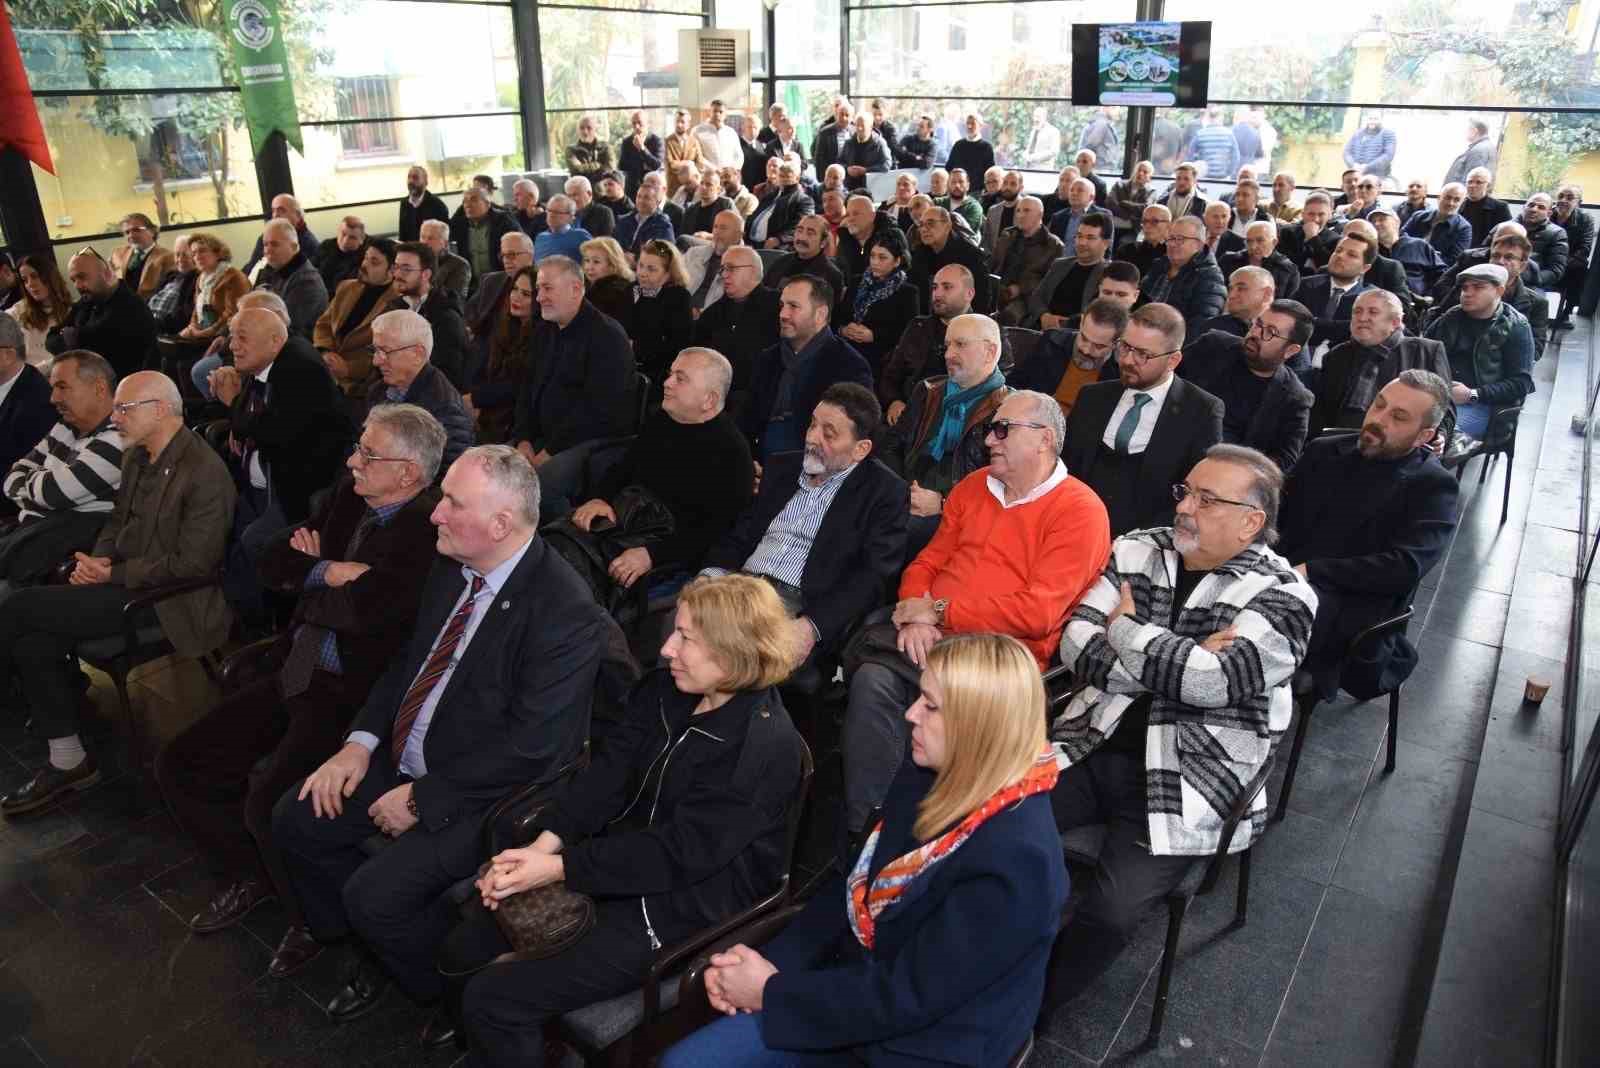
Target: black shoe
362,993
48,784
232,905
440,1030
296,950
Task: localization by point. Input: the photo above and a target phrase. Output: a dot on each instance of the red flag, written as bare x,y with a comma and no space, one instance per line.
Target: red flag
19,119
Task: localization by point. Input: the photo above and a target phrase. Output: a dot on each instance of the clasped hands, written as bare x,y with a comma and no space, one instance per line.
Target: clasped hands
511,871
737,979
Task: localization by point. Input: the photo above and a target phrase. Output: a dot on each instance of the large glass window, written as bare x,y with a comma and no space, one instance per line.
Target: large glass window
593,59
808,37
747,15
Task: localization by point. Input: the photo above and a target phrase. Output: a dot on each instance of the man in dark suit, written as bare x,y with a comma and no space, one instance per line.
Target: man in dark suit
790,377
1264,405
414,265
856,545
1365,516
26,414
1133,439
1309,242
1261,250
772,224
419,205
808,257
1378,350
939,247
357,567
402,343
516,252
1066,360
108,318
743,324
1331,296
491,692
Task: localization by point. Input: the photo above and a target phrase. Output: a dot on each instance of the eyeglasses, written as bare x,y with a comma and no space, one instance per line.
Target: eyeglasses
370,457
1203,500
1001,428
401,270
387,353
1270,333
729,268
1144,356
1178,239
127,406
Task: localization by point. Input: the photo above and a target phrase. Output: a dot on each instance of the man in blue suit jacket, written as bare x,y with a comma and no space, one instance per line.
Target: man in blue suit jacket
791,376
646,224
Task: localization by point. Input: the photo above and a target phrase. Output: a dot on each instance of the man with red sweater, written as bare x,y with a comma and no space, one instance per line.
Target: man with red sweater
1020,542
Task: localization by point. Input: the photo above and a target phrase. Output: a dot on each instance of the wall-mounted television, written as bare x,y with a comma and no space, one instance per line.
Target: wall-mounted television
1141,64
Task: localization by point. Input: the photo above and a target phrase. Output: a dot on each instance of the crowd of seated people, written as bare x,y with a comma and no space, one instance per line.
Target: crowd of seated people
1180,449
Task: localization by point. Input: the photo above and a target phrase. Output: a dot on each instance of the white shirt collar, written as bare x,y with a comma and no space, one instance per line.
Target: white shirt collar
261,375
998,488
1158,394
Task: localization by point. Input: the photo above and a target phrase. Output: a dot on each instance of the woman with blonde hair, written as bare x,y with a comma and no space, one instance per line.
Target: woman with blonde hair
678,824
217,293
45,302
661,324
939,952
608,278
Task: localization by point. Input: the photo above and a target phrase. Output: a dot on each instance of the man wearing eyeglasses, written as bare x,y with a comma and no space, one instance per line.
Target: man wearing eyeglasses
703,260
1570,216
1187,277
516,252
415,267
170,523
1264,405
743,324
402,342
1131,439
141,262
108,318
356,568
562,236
1188,642
1019,542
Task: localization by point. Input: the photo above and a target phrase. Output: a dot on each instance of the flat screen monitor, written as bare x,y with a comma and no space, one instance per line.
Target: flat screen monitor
1141,64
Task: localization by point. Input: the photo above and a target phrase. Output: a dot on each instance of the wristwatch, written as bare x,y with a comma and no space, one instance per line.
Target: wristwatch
939,608
1472,396
411,804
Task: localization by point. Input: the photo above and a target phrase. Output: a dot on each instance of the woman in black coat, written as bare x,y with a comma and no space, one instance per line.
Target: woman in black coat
661,322
882,304
503,364
933,949
678,824
608,278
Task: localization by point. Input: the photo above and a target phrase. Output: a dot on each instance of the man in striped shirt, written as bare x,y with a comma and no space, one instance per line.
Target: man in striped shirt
64,488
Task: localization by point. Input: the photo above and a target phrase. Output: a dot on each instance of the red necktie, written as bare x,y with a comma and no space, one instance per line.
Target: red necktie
432,671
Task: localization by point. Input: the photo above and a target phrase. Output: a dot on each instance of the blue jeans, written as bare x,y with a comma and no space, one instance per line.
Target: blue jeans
200,371
1473,418
735,1042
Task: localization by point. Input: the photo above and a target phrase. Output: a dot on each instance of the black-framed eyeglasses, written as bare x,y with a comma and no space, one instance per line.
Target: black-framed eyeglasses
1001,428
1203,499
1269,332
370,457
1144,356
124,407
378,350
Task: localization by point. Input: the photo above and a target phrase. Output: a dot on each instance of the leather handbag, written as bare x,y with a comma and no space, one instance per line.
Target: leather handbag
544,921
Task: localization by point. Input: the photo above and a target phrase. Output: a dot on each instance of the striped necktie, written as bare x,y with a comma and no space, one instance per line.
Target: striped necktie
432,671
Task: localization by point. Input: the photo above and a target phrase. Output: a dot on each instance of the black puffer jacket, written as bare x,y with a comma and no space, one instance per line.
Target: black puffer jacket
684,812
1198,291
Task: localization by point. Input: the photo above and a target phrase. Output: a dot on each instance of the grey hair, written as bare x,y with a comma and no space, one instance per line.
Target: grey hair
1266,484
1082,183
1488,175
471,192
1046,411
12,337
266,300
1317,195
281,224
560,202
1457,186
524,184
406,327
1260,275
517,237
1191,223
1396,310
417,435
1431,384
92,367
755,259
576,182
1263,224
717,367
565,265
432,226
509,472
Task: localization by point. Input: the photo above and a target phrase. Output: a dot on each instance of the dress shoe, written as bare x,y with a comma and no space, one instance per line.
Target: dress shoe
440,1030
296,950
48,784
362,993
230,906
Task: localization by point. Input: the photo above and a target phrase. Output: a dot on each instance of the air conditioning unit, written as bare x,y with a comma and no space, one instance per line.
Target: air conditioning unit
714,65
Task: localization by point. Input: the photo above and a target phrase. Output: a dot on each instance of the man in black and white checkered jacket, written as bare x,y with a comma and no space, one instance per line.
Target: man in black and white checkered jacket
1187,645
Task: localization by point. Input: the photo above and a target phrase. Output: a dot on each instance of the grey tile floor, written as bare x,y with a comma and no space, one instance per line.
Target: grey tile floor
1355,953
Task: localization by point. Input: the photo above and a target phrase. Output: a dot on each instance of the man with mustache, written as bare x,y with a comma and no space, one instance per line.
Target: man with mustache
1366,515
1264,405
1188,642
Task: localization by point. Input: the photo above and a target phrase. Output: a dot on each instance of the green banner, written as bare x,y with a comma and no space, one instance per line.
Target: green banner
257,36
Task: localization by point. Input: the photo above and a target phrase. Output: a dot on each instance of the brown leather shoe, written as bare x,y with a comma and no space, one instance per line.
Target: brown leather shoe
296,950
49,784
230,906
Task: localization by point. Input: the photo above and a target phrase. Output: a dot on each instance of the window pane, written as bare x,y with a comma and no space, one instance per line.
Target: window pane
688,7
610,126
1009,126
453,150
389,60
55,55
598,60
808,37
747,15
1021,50
176,158
808,105
1312,144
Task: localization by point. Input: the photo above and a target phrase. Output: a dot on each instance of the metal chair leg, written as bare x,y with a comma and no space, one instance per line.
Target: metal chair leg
1242,905
1176,908
1505,500
1294,758
1394,724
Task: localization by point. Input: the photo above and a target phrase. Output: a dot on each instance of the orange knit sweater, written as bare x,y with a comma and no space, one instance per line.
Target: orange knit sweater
1017,571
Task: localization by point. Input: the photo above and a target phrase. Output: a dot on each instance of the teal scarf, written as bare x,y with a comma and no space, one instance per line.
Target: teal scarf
957,403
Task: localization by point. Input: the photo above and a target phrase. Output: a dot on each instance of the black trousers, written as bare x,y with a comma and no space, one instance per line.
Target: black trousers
1106,788
503,1007
394,901
39,628
209,777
